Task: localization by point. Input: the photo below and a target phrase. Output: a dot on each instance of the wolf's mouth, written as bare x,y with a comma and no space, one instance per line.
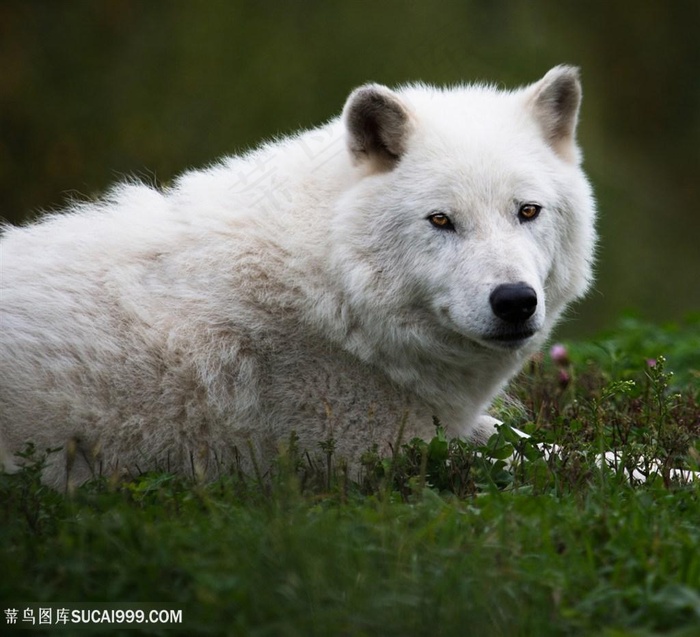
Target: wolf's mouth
511,339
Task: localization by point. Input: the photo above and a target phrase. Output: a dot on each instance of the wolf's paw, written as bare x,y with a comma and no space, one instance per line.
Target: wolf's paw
485,428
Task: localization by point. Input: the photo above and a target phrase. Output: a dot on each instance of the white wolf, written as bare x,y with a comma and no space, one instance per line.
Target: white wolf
397,264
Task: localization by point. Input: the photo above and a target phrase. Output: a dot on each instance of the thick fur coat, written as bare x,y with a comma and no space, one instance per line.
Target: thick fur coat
397,264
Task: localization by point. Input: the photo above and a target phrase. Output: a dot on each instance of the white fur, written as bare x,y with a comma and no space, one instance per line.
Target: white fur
298,288
637,470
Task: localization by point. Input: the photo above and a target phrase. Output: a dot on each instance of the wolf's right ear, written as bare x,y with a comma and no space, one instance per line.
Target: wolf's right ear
377,124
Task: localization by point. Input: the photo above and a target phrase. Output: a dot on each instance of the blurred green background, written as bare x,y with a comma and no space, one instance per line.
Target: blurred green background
91,91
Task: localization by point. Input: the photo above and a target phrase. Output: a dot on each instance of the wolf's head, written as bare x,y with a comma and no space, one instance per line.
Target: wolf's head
471,216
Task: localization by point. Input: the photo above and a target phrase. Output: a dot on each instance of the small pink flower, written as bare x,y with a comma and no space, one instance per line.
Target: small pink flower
651,362
559,355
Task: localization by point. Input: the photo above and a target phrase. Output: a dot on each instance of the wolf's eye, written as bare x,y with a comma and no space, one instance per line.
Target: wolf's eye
528,212
441,221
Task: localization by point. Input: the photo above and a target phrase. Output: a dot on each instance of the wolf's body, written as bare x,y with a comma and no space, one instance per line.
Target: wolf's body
398,264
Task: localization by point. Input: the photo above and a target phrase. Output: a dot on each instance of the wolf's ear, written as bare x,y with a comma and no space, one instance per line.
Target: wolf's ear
378,124
555,102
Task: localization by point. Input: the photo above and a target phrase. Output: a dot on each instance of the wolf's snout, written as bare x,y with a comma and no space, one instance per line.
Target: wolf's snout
513,302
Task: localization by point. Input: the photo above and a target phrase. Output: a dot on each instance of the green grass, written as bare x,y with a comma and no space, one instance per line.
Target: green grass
442,539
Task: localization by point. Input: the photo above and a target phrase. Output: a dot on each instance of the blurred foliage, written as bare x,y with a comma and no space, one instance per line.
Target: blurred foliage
92,91
631,342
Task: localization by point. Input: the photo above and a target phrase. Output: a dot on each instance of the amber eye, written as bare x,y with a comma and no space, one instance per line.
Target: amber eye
441,220
529,211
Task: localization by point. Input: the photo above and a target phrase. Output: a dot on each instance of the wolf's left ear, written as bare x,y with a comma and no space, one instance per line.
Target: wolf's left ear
555,102
378,124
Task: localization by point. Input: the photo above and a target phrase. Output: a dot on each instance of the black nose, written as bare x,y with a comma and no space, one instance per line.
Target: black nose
513,302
